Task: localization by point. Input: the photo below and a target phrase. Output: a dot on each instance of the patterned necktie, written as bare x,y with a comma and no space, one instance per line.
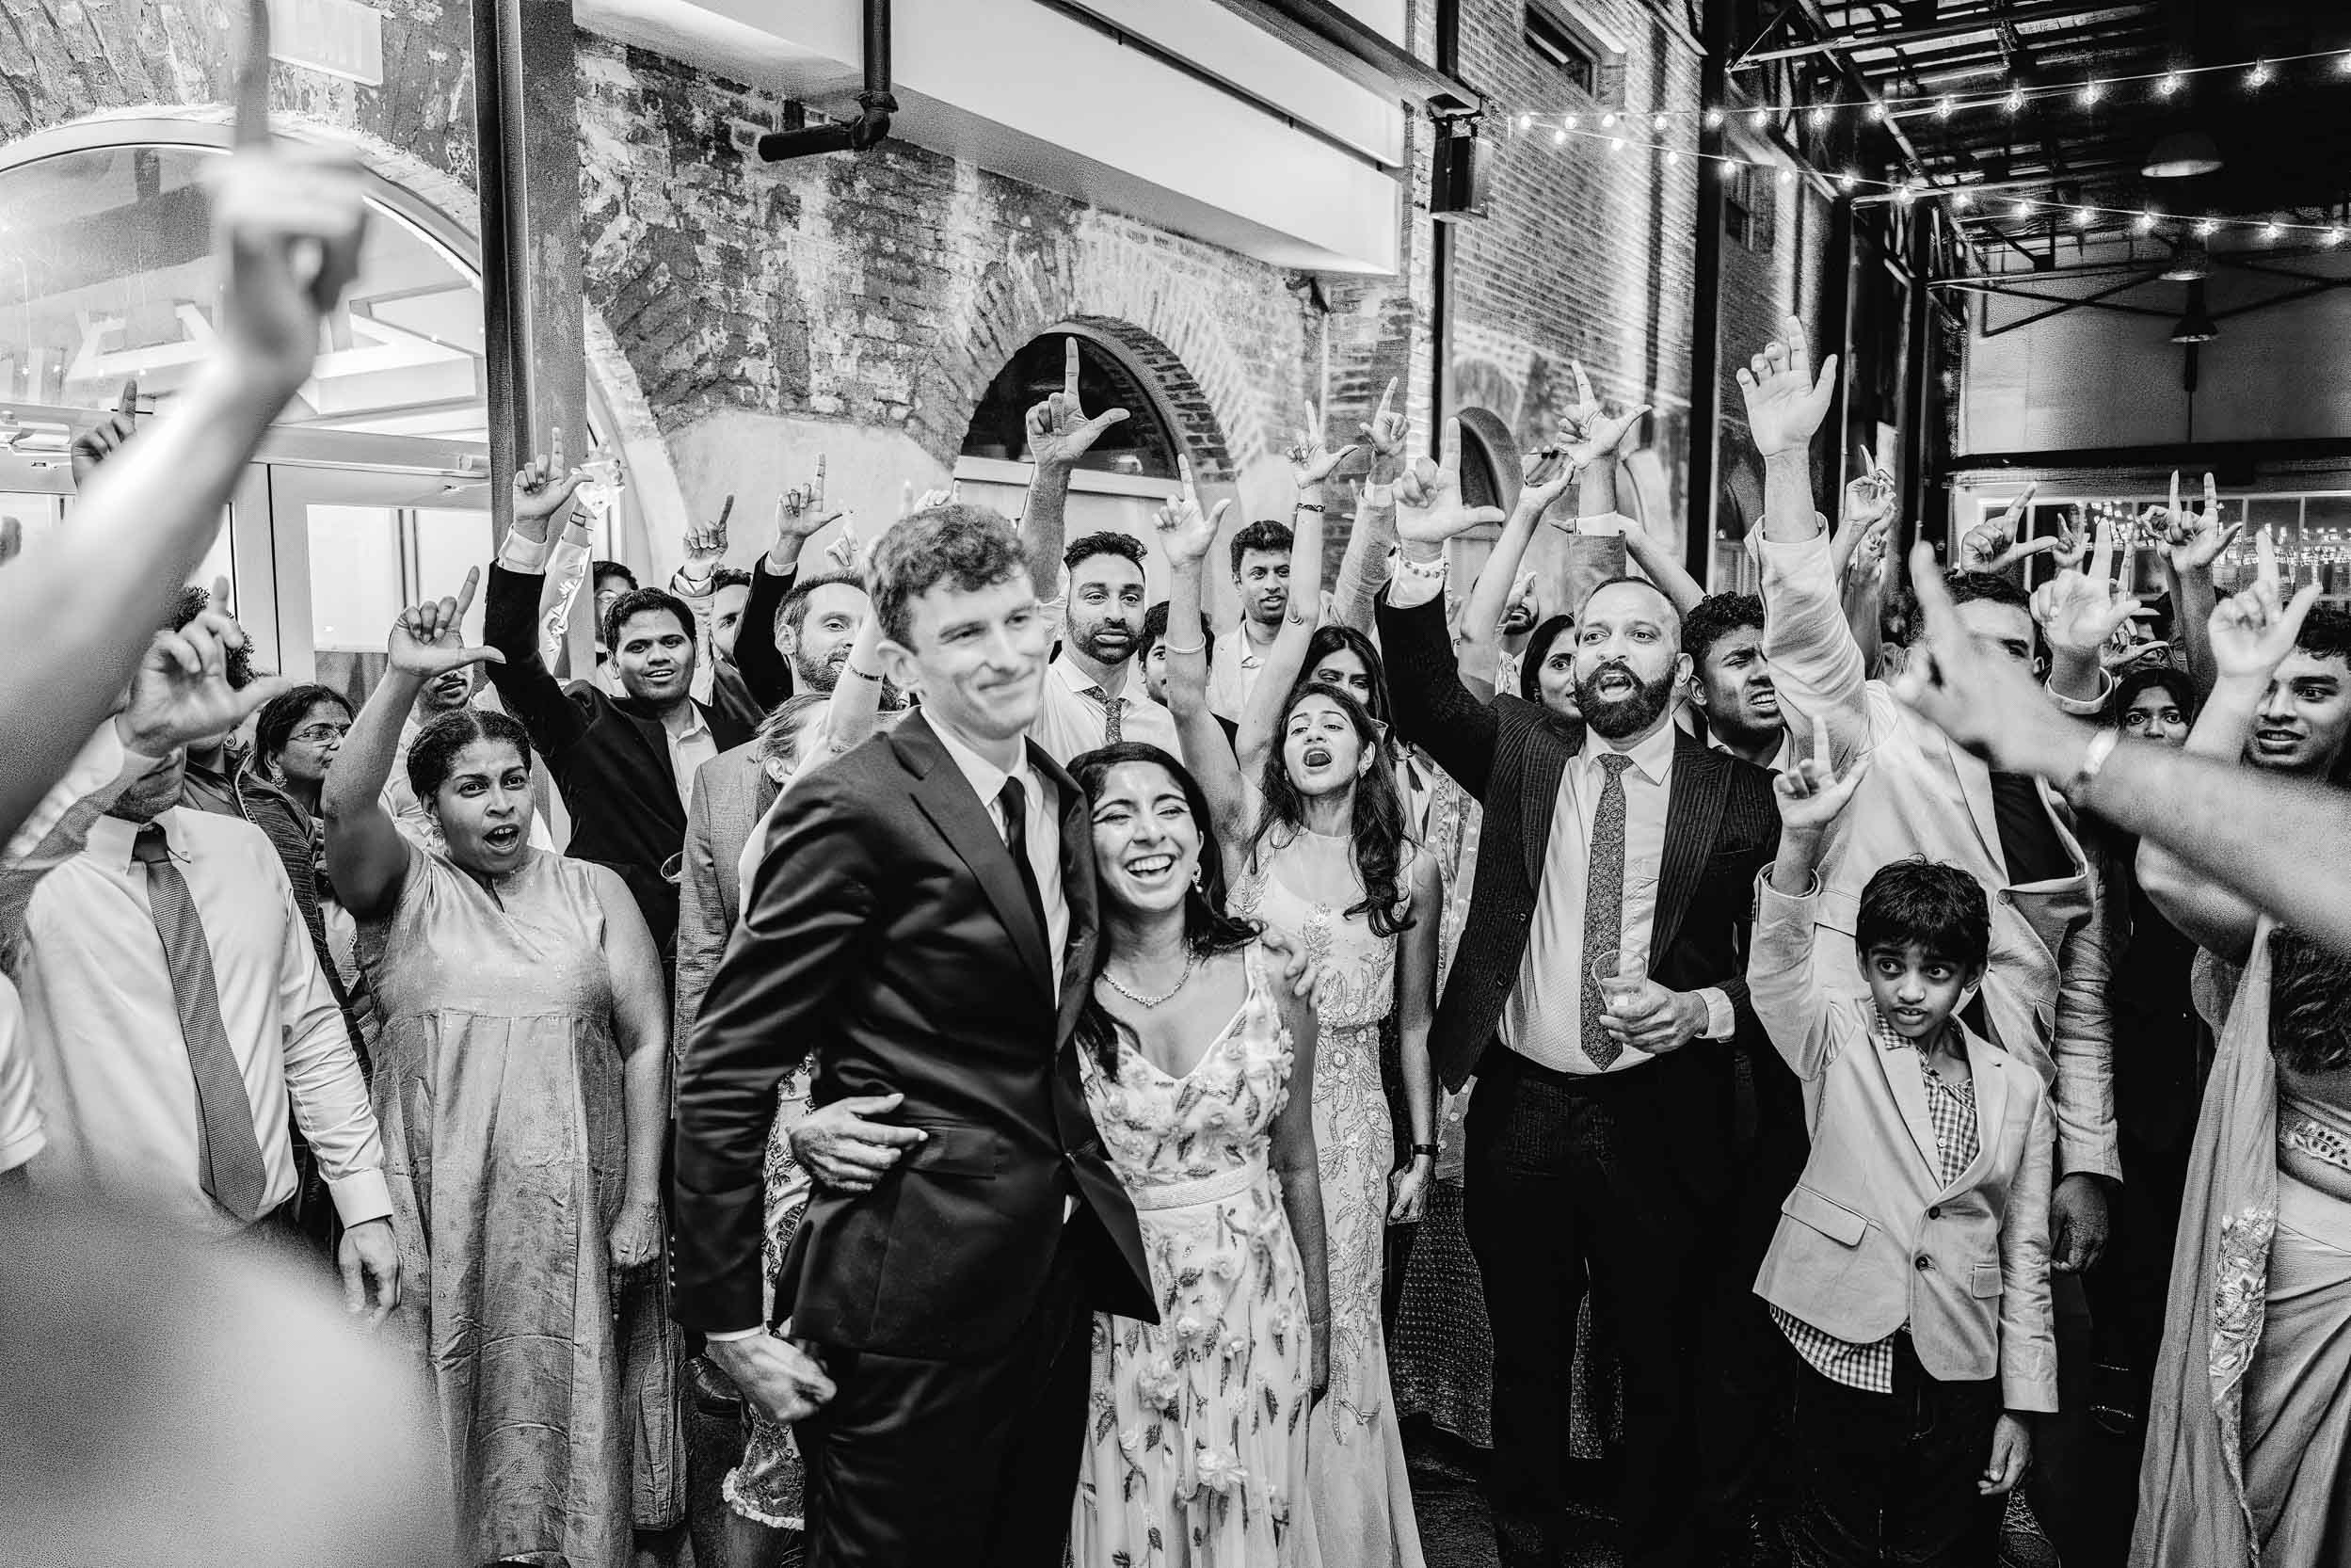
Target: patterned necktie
1014,803
231,1167
1111,715
1604,903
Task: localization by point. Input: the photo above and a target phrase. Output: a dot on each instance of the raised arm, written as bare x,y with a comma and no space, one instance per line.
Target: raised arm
2249,635
1311,462
1362,570
525,685
1547,478
695,584
1432,708
367,856
1783,984
856,706
1187,535
2078,612
800,513
78,608
1059,435
2256,834
2193,541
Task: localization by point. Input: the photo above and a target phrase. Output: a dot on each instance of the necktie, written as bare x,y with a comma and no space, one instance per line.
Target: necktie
1604,903
1013,800
1111,715
233,1173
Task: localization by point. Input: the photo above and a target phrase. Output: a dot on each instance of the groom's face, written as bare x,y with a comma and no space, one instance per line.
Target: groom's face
977,655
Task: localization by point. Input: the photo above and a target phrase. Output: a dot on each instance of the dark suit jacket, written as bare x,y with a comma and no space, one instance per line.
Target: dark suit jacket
609,755
887,935
1721,829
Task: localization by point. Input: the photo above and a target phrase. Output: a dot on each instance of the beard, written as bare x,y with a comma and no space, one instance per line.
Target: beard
1117,648
1614,718
810,674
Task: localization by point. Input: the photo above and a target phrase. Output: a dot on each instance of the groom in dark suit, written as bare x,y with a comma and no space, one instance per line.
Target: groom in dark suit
1599,1137
922,925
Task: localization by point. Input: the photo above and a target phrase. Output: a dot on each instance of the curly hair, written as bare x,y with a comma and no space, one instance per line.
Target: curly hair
1715,617
1966,587
434,750
1377,826
971,546
1208,929
2325,633
2310,1004
193,602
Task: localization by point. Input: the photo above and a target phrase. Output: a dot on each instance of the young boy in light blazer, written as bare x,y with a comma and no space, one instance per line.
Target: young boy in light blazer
1910,1269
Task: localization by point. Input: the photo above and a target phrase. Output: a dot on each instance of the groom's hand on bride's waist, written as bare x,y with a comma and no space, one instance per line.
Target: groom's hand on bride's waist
844,1148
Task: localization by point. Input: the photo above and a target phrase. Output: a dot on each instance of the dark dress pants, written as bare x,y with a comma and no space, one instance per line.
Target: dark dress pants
1567,1177
972,1463
1889,1480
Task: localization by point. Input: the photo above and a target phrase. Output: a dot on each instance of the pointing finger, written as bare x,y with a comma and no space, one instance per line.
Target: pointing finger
128,403
1449,454
465,594
554,450
1387,401
2212,498
2265,561
2101,554
2175,494
1583,385
725,510
1069,370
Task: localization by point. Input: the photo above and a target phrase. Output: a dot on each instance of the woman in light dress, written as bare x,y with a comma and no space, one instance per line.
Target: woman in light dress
1197,1065
520,1079
1318,850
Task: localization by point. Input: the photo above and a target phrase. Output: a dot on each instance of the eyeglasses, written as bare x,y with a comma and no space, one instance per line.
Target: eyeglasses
319,734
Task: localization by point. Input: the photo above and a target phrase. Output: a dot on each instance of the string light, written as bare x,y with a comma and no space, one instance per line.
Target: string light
2169,85
2342,62
1822,114
2091,90
1656,122
1877,114
2015,100
1608,121
1525,122
2258,77
1760,119
1963,199
1942,108
1714,119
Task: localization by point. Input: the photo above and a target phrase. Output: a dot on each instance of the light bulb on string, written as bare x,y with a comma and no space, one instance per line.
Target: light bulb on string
2204,230
1904,192
1671,156
2332,237
2022,209
1574,120
2091,90
2143,223
1845,180
1822,117
1942,108
1788,176
2342,62
2081,218
1877,114
2015,100
2169,85
1714,119
2271,230
1761,118
1656,122
2258,77
1962,200
1616,144
1607,120
1525,122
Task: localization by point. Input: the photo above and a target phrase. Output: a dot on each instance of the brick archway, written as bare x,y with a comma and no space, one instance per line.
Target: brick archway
1161,331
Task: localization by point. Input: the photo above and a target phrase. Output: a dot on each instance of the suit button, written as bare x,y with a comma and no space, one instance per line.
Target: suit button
1933,1213
1925,1263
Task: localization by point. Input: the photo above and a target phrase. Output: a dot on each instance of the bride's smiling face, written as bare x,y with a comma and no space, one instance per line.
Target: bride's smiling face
1145,843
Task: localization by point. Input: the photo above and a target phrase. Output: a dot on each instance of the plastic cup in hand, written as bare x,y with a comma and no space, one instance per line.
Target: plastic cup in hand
1620,978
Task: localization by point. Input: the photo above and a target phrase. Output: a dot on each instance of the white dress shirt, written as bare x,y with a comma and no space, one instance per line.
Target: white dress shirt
691,744
1233,665
1071,720
1542,1020
21,1137
117,1096
1043,828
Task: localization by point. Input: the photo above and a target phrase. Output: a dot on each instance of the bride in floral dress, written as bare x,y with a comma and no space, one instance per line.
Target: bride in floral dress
1318,851
1189,1052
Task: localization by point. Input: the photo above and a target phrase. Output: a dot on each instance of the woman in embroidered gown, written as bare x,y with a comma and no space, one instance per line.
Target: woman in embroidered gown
1198,1072
1318,851
520,1079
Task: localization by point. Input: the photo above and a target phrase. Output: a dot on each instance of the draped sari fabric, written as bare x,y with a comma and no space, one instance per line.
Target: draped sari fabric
2246,1463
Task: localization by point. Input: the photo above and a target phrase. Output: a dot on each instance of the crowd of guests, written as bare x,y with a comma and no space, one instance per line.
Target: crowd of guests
990,1044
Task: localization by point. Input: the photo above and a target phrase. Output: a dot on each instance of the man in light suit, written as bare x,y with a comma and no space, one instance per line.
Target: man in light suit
1910,1272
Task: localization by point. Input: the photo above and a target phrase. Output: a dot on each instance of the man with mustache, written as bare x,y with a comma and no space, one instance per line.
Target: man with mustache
1731,680
1600,1137
1096,693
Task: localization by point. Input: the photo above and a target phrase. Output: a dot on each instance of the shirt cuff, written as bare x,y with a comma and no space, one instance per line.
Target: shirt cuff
526,556
361,1196
1606,525
1409,589
1722,1020
734,1333
1771,903
688,587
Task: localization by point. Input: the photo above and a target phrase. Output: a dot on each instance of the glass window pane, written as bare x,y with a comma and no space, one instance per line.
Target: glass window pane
106,275
447,545
355,577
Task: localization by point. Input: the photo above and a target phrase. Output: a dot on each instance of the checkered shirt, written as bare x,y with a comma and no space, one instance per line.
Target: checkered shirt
1951,1111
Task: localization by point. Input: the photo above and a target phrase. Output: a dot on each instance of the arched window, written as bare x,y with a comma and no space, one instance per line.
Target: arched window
1140,446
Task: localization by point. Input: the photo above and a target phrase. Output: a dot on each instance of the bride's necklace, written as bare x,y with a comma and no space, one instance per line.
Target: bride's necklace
1192,961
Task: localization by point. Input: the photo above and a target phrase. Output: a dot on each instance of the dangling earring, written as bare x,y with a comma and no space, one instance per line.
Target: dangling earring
1198,885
